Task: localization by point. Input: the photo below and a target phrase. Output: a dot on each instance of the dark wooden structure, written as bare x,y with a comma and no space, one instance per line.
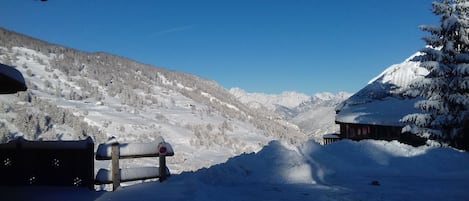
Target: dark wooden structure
56,163
330,138
356,131
11,80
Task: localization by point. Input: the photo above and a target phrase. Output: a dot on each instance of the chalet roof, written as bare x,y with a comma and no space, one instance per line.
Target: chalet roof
384,101
387,111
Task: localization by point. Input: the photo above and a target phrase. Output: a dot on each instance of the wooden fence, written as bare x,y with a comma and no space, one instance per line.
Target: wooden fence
330,138
114,151
57,163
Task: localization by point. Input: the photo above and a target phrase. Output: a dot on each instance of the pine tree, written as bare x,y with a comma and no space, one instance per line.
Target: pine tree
446,88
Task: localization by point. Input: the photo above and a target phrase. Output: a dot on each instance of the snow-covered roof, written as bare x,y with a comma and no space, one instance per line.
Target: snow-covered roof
387,111
382,101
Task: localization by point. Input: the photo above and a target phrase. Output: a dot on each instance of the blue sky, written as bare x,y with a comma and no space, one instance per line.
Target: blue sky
266,46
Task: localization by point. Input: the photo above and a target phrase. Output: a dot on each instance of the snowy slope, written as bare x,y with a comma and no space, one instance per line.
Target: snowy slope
75,94
386,98
346,170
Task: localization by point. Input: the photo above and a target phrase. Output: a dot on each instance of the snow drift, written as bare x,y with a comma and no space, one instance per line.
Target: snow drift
345,170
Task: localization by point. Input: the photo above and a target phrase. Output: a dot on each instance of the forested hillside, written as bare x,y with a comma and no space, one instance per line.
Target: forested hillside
74,94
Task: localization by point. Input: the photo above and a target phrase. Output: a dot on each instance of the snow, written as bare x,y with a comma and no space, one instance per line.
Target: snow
134,149
384,100
401,74
27,144
345,170
314,115
213,99
331,136
256,100
380,112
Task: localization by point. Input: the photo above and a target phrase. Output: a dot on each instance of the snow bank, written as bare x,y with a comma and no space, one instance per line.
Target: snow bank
273,164
345,170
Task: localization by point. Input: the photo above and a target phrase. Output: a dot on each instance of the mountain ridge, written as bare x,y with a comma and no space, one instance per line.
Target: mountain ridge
314,115
74,94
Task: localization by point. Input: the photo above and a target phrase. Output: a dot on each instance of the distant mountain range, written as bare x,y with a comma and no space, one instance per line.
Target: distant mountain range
314,115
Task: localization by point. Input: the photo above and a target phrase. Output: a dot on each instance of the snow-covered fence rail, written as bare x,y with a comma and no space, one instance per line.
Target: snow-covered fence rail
57,163
330,138
113,150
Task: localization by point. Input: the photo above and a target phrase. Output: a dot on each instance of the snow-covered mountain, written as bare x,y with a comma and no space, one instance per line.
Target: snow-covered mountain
73,94
386,98
393,81
314,115
289,99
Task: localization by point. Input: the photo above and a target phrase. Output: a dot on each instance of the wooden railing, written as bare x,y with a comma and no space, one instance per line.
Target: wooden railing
56,163
113,150
330,138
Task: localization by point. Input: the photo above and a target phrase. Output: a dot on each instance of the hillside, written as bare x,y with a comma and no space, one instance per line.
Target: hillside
74,94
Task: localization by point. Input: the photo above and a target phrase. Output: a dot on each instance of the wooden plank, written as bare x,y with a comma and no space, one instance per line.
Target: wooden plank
116,176
104,176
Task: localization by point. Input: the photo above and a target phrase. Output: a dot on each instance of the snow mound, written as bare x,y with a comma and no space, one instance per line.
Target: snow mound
274,164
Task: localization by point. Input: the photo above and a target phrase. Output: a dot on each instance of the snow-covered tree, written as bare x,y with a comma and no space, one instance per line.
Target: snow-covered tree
446,88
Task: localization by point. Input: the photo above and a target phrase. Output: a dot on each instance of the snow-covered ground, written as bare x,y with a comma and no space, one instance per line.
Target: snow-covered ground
345,170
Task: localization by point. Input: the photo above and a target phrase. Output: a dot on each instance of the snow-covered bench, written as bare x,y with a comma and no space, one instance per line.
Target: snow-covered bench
113,150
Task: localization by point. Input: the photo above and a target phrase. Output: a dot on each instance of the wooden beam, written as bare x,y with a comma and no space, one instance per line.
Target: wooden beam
116,176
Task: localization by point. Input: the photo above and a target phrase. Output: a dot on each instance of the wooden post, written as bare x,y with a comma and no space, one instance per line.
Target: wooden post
116,176
162,168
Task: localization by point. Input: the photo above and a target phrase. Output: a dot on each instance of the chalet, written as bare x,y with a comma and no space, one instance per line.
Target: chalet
375,111
378,120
